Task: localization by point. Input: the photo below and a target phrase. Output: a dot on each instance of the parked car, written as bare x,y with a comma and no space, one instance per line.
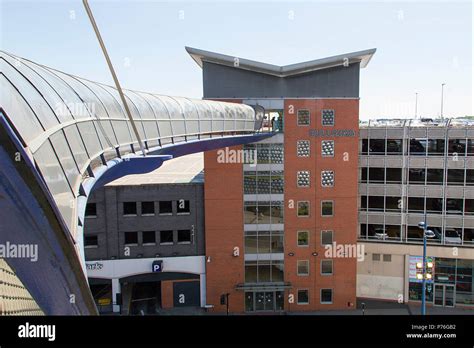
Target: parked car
452,236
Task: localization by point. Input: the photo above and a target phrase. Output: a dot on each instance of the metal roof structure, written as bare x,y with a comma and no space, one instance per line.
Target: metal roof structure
200,56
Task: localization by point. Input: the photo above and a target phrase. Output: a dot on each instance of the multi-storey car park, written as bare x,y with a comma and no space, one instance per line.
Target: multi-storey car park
410,170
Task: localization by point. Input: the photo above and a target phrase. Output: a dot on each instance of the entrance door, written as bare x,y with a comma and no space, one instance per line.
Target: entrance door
444,295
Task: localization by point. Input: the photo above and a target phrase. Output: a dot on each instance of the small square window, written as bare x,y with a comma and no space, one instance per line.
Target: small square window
148,208
91,241
166,207
303,296
131,238
303,208
303,117
326,237
327,148
327,117
326,267
327,178
166,237
387,258
303,178
149,237
183,207
326,295
129,208
327,208
303,238
184,237
375,257
303,267
91,210
303,148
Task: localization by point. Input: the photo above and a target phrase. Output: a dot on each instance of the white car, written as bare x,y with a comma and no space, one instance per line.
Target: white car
451,236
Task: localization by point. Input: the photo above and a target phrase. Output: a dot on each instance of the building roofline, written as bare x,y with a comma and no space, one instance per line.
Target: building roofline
200,56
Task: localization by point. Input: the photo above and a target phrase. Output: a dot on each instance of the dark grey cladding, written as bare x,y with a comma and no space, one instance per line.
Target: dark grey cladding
222,81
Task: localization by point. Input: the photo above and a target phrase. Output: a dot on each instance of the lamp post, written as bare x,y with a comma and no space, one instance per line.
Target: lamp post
423,225
416,104
442,98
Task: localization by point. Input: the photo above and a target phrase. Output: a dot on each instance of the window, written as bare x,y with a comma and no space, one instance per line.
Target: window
326,295
131,238
377,146
184,236
416,204
91,241
418,146
387,258
393,203
263,242
303,148
263,212
303,178
148,208
149,237
327,117
456,176
327,148
303,117
303,267
303,297
417,176
91,210
376,203
129,208
326,267
303,238
327,178
326,237
327,208
436,147
183,207
394,175
264,271
394,146
166,207
375,257
376,175
434,176
166,237
303,208
457,147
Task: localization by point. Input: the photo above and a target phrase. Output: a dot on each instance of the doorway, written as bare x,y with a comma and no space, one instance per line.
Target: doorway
444,295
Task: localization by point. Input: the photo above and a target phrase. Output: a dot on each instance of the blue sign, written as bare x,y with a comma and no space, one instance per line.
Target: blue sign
157,266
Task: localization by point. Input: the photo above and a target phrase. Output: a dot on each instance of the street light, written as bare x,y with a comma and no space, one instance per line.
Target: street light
425,275
442,97
416,104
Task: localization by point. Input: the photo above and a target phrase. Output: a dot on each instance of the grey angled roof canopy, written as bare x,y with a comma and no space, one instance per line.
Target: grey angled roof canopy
362,57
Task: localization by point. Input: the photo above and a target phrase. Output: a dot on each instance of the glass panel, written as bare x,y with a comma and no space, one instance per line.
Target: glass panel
260,301
449,296
18,111
269,301
56,182
438,295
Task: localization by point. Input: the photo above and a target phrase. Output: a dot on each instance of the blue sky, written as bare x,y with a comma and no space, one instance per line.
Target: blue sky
419,44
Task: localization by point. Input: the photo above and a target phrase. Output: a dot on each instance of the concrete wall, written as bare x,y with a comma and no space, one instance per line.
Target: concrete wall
110,223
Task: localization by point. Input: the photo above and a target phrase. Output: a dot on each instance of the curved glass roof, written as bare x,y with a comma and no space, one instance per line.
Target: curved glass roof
68,124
